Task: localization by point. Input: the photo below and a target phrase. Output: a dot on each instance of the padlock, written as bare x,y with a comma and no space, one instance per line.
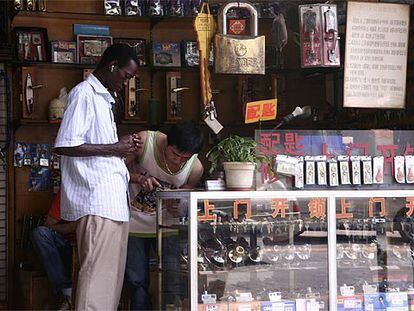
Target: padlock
240,54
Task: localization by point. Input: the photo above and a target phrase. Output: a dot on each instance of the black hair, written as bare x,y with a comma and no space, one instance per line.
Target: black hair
121,53
186,136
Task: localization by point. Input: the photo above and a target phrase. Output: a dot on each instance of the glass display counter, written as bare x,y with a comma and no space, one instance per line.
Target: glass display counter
292,250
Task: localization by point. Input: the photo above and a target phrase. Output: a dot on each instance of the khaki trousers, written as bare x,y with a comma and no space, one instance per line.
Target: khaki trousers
102,248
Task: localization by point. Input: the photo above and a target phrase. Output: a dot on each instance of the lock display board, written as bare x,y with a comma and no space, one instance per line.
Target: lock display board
232,250
359,160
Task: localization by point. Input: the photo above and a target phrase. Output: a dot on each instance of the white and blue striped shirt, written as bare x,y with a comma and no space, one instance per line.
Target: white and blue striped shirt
91,185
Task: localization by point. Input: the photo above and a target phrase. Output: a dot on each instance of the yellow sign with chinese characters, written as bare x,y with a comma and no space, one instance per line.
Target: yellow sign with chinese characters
262,110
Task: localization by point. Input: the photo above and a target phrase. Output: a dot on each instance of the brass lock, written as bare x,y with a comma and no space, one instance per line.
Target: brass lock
240,54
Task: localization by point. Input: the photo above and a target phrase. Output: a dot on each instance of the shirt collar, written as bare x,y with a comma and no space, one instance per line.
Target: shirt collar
99,88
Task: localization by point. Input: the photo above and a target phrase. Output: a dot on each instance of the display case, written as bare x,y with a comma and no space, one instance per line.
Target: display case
286,250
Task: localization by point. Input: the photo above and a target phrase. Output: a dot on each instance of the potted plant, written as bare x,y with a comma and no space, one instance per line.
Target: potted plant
238,157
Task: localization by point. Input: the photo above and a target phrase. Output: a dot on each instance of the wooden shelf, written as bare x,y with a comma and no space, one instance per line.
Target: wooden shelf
100,17
104,17
59,65
296,71
36,122
134,122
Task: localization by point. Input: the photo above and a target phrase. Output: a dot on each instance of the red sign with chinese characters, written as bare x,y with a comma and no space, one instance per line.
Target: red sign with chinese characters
316,208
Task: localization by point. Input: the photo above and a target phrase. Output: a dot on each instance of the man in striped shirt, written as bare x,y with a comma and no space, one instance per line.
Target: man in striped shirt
95,178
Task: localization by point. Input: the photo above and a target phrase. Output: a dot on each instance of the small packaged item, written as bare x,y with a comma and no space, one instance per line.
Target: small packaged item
19,151
131,8
378,170
321,169
356,170
348,300
333,173
176,8
191,57
299,173
139,45
396,300
39,179
166,54
192,8
112,7
310,170
156,8
91,48
399,171
344,175
44,157
286,165
373,300
35,152
55,159
409,168
28,156
366,170
63,52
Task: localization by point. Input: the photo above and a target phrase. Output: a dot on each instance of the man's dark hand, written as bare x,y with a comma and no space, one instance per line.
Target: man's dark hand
127,145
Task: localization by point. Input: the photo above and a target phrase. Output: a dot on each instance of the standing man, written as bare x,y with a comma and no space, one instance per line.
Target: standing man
95,179
168,161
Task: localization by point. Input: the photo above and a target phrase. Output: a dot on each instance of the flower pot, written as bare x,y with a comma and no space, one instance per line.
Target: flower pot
239,175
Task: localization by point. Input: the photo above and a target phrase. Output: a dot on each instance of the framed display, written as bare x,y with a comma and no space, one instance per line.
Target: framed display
139,45
91,48
63,52
31,44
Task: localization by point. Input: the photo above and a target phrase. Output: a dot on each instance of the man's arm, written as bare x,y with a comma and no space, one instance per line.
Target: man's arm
136,177
195,175
127,145
64,228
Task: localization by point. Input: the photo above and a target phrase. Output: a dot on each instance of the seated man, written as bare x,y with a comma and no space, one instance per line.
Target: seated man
168,161
52,242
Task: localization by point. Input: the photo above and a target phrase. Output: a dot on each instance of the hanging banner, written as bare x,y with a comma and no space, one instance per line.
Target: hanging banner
376,55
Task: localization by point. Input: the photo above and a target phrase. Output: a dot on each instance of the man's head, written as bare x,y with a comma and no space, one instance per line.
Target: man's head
183,140
118,64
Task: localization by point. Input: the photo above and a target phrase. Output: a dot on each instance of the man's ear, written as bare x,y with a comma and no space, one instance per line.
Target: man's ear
112,65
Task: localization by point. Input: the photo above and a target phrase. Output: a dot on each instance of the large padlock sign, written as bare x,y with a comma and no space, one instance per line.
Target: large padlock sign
239,54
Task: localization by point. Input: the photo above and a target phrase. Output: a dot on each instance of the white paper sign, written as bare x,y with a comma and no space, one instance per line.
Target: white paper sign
376,55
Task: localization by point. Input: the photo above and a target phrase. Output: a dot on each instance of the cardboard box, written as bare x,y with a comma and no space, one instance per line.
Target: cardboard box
309,304
375,301
350,303
244,306
396,301
283,305
219,306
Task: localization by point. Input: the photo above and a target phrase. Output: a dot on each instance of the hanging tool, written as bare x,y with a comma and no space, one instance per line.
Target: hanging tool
205,28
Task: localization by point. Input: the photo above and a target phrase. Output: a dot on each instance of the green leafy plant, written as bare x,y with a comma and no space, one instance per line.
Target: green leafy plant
233,149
